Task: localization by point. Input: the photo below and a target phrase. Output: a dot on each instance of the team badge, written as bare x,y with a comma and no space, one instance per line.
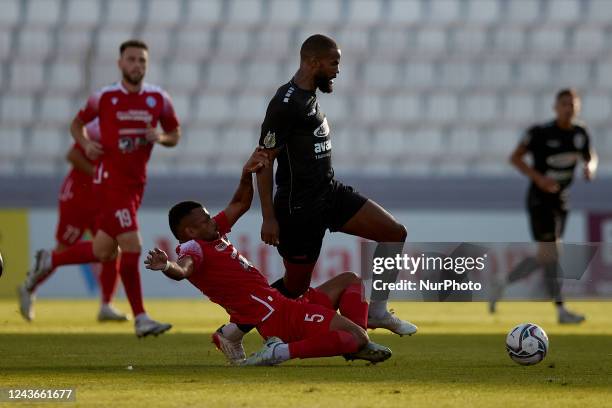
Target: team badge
579,141
270,140
114,100
151,102
322,130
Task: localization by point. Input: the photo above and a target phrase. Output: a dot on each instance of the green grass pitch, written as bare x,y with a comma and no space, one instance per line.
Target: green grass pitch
456,359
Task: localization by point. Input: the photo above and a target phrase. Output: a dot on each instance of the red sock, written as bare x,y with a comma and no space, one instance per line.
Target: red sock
353,306
130,276
41,280
108,280
333,343
79,253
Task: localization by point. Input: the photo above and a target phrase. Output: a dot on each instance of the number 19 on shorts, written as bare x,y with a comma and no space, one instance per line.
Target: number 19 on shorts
124,217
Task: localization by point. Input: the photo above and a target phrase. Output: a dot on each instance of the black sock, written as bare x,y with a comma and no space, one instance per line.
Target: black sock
523,269
280,286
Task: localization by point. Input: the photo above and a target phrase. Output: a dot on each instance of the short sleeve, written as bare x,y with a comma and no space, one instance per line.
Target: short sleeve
527,139
168,119
277,124
222,223
91,109
193,250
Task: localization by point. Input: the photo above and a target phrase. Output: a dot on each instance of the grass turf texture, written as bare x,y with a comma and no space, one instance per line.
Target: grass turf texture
457,358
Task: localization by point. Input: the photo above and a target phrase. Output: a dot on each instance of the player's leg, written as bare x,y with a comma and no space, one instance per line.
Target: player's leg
130,243
109,277
373,222
345,293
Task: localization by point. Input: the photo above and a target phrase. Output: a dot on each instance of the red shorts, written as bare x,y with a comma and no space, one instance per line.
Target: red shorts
76,212
298,319
118,210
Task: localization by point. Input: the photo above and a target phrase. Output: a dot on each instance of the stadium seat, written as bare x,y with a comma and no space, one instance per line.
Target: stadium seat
282,12
103,74
369,108
589,39
83,13
426,141
183,76
235,43
213,108
604,68
159,42
222,75
547,40
324,11
182,105
274,42
108,42
464,141
508,39
468,39
534,73
380,75
442,107
261,75
6,40
193,44
125,13
201,14
251,107
45,142
431,40
523,11
57,109
389,41
12,142
245,12
599,11
163,13
494,74
26,76
576,74
404,108
74,44
66,77
10,13
479,108
35,45
335,108
519,107
387,143
501,140
364,12
405,11
563,11
456,74
596,107
239,142
353,42
42,13
483,11
419,74
444,11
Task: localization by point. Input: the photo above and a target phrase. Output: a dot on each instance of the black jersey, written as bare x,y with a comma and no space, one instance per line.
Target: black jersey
556,152
295,123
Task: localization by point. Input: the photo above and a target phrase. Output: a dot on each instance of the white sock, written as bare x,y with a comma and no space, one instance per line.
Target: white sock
281,352
232,332
142,316
377,309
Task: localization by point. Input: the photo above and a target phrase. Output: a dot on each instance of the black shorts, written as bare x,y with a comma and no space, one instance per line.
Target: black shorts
547,216
301,232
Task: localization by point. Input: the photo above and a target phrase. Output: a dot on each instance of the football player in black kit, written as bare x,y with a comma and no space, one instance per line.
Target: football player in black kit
556,148
308,199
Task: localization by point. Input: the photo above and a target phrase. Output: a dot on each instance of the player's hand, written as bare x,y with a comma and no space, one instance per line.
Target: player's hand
156,260
151,134
547,184
588,173
258,160
270,231
93,150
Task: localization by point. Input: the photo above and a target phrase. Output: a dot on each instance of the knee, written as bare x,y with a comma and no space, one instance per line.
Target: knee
105,254
401,232
349,278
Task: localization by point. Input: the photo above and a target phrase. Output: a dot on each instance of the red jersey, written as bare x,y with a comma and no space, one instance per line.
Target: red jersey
228,278
124,118
78,184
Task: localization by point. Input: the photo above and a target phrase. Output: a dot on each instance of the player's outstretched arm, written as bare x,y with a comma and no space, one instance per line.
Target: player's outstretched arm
79,161
591,161
93,150
241,201
265,178
543,182
157,260
167,139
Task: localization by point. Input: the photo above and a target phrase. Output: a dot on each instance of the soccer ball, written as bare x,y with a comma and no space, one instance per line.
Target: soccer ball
527,344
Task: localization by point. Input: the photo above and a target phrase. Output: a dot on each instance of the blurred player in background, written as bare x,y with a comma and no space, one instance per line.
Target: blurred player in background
304,328
556,147
77,213
129,113
308,199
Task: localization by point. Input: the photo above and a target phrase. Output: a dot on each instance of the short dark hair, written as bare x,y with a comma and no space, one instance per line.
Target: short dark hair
132,43
567,92
316,45
178,212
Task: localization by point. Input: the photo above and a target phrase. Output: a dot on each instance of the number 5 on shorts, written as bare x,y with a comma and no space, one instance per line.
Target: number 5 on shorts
317,318
124,217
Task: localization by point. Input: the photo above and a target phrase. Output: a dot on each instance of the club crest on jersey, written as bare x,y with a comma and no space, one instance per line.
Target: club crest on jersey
222,245
322,130
270,140
579,141
151,102
114,100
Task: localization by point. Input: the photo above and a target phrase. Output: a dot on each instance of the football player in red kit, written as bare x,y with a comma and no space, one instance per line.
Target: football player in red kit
307,327
129,113
77,212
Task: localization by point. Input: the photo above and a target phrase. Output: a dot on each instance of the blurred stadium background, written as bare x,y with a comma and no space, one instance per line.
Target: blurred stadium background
431,98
